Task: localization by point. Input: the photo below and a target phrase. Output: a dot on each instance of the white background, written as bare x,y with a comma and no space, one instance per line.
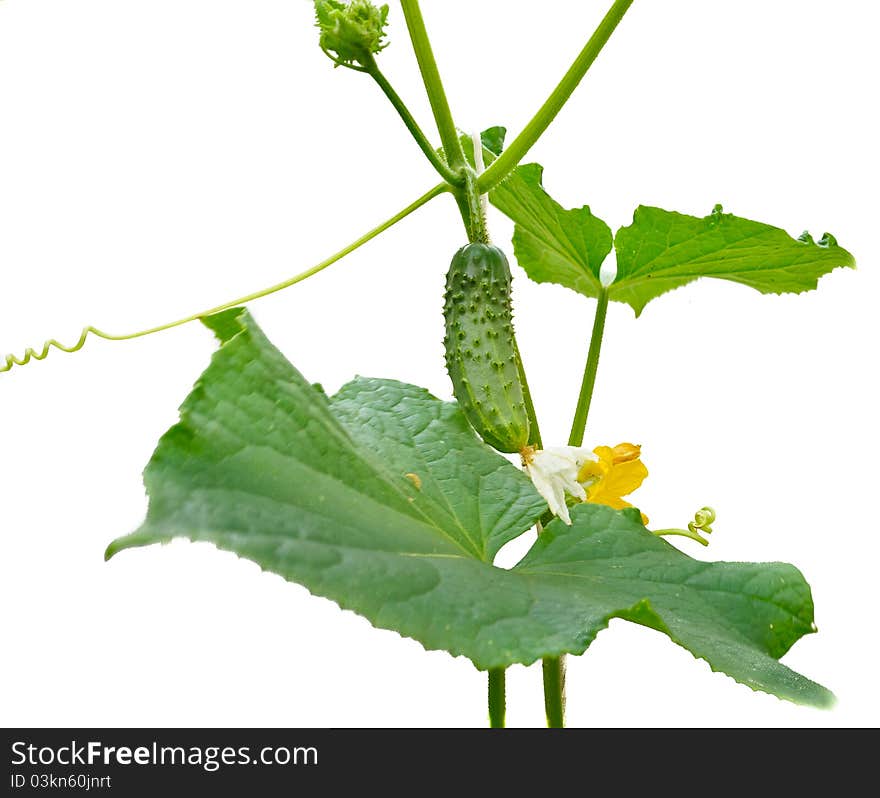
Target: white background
160,157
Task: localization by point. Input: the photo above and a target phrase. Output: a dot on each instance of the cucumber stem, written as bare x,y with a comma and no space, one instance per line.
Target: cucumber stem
554,667
372,69
478,232
517,149
439,106
579,423
433,84
554,691
497,700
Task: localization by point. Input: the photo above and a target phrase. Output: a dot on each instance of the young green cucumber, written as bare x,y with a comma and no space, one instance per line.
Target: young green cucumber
480,354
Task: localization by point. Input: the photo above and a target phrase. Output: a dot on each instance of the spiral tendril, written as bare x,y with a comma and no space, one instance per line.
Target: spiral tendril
703,519
32,354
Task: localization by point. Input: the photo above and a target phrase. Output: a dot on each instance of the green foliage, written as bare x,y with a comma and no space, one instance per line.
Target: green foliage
659,251
551,243
382,499
662,250
351,33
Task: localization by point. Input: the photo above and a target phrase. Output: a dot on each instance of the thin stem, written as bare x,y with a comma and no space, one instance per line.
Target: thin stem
479,168
433,84
554,691
517,149
554,667
534,431
497,700
359,242
579,423
439,104
31,354
368,236
687,533
475,221
430,153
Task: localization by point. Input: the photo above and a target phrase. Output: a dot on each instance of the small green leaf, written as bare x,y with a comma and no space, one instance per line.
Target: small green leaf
492,140
552,244
224,325
384,501
662,250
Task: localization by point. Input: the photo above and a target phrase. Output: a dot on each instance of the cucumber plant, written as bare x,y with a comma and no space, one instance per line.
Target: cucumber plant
395,504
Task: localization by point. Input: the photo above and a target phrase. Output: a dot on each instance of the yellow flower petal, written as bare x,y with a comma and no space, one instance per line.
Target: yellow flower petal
605,455
609,501
621,480
625,452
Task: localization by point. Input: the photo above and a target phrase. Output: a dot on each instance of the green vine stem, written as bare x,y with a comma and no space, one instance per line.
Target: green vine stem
554,691
517,149
534,430
418,35
372,69
554,667
579,423
497,700
475,222
433,84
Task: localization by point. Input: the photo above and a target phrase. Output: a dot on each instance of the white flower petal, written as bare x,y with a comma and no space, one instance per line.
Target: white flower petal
554,473
562,513
575,488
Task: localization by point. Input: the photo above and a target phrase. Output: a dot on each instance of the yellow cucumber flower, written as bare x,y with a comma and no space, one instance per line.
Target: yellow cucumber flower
602,476
616,472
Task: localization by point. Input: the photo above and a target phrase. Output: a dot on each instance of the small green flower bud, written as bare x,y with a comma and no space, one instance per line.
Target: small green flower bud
351,33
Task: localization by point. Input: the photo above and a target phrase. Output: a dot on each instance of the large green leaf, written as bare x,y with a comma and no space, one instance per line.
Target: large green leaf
552,244
659,251
662,250
383,500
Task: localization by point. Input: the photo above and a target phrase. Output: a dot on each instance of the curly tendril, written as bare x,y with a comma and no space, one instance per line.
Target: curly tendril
703,519
32,354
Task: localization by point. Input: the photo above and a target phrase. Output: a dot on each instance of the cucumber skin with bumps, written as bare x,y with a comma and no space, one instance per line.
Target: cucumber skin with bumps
480,354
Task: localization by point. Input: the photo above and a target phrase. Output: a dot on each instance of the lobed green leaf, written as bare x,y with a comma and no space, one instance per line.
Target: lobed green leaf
661,250
382,499
551,243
